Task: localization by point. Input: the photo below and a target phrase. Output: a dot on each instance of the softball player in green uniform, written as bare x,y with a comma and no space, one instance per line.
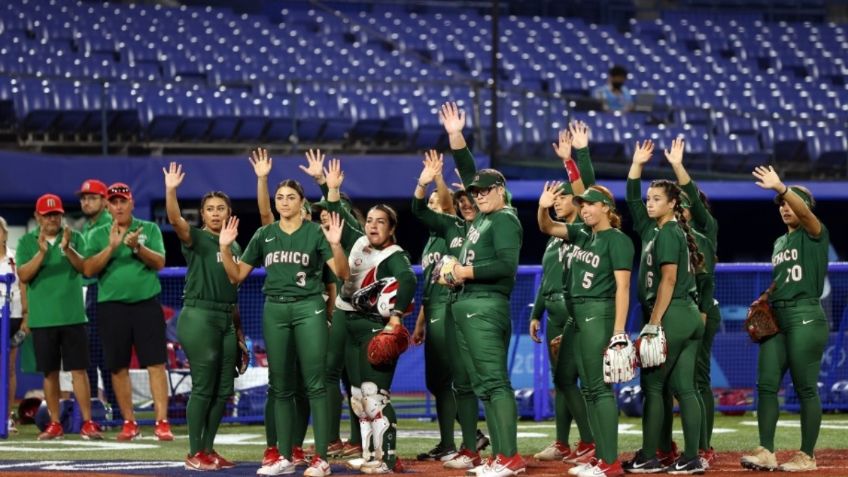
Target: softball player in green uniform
374,257
599,293
669,261
440,328
431,325
551,297
800,265
488,262
206,329
705,230
294,323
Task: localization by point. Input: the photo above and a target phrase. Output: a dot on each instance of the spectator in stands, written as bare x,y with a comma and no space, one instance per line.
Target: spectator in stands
614,95
92,196
126,255
51,268
17,314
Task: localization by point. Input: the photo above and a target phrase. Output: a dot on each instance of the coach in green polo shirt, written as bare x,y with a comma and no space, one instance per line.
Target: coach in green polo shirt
50,267
126,256
92,197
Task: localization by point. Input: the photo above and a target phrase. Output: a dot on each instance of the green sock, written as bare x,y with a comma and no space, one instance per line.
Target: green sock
213,421
667,420
606,410
284,416
446,412
270,422
703,441
506,416
467,414
301,420
492,424
708,400
355,435
577,409
320,423
196,413
562,417
334,404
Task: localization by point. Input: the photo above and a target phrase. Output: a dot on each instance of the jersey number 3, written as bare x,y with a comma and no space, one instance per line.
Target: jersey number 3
300,279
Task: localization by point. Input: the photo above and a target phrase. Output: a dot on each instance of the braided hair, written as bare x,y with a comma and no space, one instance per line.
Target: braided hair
674,193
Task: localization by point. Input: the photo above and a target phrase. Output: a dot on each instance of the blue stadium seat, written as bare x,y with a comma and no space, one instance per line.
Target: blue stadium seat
36,106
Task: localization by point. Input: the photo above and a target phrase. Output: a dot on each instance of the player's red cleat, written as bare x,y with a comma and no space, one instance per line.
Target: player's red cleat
53,431
200,461
670,457
91,431
350,450
298,458
317,468
162,431
707,457
583,452
221,462
130,431
602,469
335,448
271,455
504,466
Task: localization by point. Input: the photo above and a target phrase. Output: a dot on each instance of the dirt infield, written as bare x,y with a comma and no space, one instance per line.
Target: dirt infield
831,463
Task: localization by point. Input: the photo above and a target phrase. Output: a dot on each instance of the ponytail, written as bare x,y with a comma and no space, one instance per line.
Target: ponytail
674,193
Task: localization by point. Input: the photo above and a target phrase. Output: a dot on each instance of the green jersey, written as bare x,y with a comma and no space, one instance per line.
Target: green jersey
205,276
594,259
447,234
800,265
552,273
702,220
705,278
492,246
105,218
55,294
668,247
293,262
645,227
125,278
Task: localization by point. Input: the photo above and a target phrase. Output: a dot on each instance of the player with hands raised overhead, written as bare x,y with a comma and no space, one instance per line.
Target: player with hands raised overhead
669,341
799,259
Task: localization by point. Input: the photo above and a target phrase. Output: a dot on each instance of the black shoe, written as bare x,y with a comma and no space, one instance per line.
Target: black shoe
685,466
642,465
482,441
440,453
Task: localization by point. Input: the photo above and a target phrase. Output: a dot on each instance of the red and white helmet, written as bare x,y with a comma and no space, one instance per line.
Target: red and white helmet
378,298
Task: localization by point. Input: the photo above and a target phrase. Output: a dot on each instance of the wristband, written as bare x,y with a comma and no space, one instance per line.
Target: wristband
571,169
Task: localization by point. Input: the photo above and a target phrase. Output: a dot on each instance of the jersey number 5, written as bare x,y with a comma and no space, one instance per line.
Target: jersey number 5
587,279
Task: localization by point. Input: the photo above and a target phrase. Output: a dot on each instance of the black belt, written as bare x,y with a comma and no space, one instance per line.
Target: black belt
794,303
283,299
209,305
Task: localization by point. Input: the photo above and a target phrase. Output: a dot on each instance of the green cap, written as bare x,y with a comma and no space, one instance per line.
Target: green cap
566,188
592,196
487,178
325,205
801,193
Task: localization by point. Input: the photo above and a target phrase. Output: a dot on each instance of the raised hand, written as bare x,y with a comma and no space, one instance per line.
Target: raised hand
675,155
42,241
767,178
453,118
433,163
131,238
551,191
333,232
261,162
643,151
562,148
229,232
579,134
333,174
315,168
174,175
66,238
116,235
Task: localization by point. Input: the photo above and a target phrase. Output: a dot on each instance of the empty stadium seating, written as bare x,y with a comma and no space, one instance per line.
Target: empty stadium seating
732,85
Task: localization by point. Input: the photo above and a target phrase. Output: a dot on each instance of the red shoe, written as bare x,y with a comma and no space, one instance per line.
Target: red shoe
583,452
200,461
464,459
271,455
298,458
602,469
505,466
91,431
162,431
130,431
350,450
670,457
335,448
318,468
221,462
53,431
398,468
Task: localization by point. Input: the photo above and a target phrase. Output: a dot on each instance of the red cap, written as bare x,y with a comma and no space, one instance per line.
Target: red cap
92,186
48,203
119,189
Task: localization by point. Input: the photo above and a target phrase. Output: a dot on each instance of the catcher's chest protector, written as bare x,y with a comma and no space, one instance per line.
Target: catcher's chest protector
363,261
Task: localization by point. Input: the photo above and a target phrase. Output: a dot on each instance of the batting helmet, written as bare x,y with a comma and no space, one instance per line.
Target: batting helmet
69,416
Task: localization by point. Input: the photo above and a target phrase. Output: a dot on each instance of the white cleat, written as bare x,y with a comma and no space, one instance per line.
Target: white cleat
281,466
